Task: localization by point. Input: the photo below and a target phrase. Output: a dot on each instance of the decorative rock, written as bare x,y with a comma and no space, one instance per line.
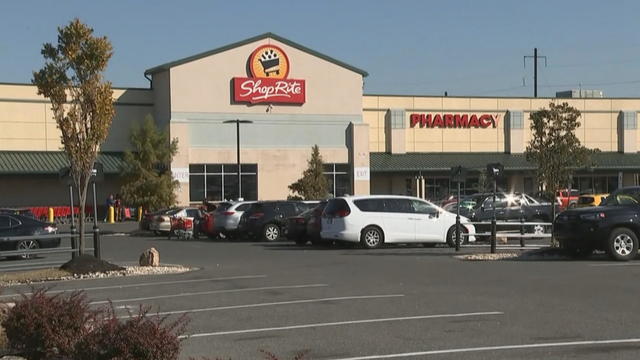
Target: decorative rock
150,257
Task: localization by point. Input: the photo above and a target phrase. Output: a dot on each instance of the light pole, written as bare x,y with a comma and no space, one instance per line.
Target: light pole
238,122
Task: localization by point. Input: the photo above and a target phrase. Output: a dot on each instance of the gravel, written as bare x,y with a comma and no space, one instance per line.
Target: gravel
127,271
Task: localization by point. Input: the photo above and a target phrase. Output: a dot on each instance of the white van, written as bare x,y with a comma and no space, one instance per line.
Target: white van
377,219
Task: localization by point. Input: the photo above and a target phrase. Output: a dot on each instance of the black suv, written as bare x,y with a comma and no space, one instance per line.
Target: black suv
266,219
613,227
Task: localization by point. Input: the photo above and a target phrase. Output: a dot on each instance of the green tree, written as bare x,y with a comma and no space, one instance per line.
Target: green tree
313,185
555,149
81,100
148,182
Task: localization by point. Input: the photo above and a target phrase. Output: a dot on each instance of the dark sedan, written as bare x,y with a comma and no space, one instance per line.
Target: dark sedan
614,227
19,225
306,226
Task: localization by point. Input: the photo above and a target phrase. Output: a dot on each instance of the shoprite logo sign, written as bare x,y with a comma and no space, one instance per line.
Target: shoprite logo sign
453,121
269,67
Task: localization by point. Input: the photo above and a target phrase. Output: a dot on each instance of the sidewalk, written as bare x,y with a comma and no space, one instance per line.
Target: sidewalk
125,227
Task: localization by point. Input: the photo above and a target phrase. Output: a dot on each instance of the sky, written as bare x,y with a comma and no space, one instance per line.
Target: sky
408,47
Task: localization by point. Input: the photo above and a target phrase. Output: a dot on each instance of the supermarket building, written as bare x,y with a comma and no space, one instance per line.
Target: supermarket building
293,98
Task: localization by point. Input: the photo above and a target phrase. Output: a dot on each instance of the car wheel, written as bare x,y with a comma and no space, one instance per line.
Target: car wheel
27,245
539,229
371,237
451,236
271,232
622,244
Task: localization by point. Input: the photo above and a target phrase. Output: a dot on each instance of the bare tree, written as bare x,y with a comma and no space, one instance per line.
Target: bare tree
82,101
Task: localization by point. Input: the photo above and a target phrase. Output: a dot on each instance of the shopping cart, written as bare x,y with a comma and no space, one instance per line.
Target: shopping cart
182,228
270,62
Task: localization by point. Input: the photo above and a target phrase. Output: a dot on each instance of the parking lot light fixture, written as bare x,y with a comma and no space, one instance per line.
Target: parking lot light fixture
238,122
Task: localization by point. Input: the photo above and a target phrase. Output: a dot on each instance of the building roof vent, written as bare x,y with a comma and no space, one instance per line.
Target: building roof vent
580,93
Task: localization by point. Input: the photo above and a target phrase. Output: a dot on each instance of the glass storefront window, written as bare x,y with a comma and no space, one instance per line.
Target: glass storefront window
338,178
217,182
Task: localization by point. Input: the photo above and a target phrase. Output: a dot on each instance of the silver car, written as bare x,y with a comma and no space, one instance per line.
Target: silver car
227,216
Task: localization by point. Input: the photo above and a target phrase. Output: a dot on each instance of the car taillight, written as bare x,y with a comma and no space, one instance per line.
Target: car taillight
256,215
228,213
343,213
300,220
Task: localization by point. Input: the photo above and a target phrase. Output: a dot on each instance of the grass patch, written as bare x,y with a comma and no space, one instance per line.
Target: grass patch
33,276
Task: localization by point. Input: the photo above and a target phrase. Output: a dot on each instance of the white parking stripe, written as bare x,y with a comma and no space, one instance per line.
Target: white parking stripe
230,307
316,325
618,264
149,284
28,264
209,292
493,348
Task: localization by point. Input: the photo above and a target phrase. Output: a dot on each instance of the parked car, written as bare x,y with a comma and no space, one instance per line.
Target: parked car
378,219
147,218
568,198
513,207
306,226
266,220
588,200
161,224
18,211
227,217
20,225
614,227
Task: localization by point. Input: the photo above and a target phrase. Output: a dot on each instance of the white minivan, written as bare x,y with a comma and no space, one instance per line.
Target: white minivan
377,219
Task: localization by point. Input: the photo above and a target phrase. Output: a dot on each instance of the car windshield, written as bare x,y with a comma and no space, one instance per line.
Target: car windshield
173,211
629,196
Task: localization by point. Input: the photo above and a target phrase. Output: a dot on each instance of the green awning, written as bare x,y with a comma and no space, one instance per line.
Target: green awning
439,162
50,162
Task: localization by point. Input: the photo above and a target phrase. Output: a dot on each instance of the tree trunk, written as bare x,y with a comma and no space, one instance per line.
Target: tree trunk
82,200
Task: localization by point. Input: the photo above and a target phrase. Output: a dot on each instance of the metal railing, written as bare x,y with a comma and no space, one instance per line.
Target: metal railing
73,249
494,233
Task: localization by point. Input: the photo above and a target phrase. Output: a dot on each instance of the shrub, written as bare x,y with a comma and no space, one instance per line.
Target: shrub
40,326
141,337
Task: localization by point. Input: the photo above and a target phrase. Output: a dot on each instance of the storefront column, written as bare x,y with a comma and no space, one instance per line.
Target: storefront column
423,187
180,163
359,158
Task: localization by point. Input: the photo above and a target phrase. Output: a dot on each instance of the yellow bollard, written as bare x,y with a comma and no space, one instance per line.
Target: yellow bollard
139,213
50,215
110,220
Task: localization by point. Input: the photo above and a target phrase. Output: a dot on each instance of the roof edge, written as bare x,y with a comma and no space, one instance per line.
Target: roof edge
201,55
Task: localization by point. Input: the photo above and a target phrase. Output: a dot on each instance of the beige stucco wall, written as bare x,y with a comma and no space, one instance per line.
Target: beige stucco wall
599,121
204,85
27,124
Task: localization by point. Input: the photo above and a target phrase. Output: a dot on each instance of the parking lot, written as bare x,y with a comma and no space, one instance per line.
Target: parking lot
396,302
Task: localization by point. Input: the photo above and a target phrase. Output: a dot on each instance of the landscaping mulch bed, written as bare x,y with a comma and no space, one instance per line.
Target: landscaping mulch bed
87,264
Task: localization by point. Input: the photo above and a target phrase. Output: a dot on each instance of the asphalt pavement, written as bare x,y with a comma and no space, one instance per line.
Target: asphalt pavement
402,302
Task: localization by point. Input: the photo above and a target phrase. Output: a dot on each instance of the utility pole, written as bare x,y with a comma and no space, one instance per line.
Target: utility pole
535,68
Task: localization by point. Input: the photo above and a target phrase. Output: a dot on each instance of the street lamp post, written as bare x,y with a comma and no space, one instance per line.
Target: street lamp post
238,122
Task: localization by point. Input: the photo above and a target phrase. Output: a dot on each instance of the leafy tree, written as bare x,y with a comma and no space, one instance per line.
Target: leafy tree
555,149
81,100
148,183
554,146
313,185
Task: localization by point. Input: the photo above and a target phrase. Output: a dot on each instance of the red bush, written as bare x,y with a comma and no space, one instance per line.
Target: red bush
141,337
40,326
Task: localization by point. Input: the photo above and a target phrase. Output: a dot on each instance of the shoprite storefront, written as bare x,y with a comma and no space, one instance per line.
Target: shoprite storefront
290,98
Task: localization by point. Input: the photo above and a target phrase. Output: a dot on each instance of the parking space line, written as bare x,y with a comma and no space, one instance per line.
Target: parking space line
30,264
339,323
190,281
209,292
618,264
291,302
494,348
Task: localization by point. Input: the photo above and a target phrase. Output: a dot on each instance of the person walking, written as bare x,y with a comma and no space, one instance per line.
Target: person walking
118,206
